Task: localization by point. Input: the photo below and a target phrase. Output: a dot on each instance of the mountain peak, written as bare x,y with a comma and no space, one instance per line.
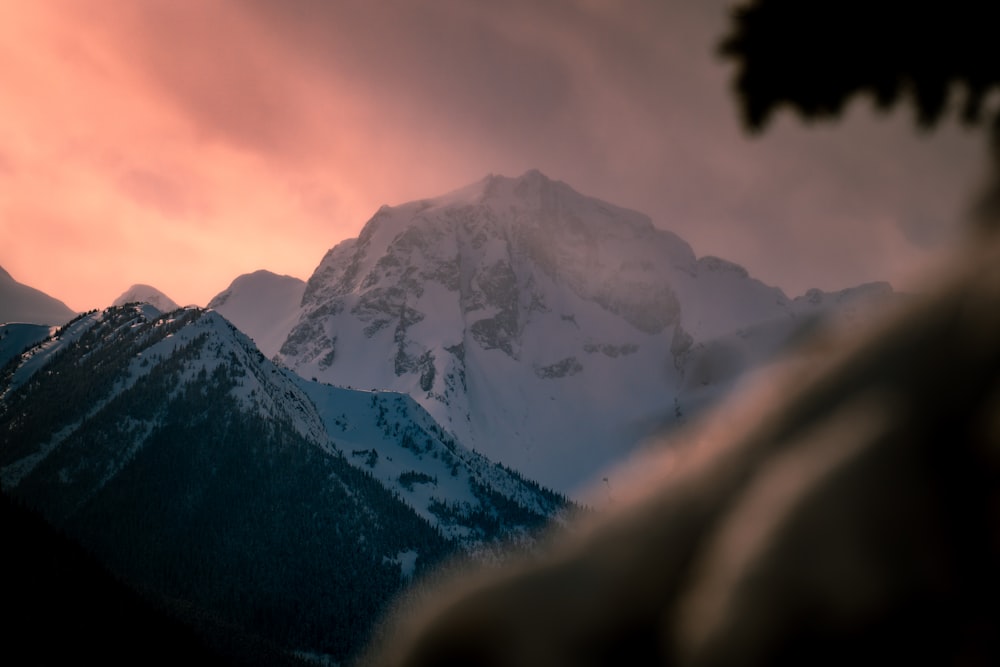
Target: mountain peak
530,200
146,294
530,177
522,277
262,302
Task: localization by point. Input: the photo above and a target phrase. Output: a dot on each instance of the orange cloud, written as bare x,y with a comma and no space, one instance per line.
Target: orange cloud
108,183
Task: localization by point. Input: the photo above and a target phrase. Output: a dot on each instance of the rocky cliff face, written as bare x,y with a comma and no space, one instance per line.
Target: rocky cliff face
546,328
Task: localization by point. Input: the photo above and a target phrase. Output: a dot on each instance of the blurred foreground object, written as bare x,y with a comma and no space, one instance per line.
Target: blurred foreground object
814,55
858,522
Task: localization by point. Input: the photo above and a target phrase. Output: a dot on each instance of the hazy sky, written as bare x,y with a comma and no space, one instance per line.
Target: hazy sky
184,143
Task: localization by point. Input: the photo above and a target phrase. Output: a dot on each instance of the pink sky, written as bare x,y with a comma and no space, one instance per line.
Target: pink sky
181,144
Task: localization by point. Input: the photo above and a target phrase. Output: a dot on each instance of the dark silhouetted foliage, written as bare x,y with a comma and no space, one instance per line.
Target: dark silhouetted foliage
62,607
815,55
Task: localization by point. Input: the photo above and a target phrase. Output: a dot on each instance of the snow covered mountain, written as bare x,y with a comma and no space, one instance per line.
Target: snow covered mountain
191,465
20,303
262,304
547,329
140,293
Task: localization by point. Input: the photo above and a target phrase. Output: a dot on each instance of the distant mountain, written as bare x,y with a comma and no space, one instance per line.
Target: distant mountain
549,330
264,305
20,303
16,338
140,293
195,468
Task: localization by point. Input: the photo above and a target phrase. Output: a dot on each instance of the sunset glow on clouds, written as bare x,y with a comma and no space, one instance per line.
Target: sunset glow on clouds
182,144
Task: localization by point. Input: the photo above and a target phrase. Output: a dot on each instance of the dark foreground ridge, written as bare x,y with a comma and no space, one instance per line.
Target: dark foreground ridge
204,476
62,607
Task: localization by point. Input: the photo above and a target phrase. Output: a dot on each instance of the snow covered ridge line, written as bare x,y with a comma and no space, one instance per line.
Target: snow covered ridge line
102,358
121,345
38,353
88,362
168,442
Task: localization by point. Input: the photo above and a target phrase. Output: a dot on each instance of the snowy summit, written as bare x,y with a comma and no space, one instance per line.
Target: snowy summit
140,293
548,329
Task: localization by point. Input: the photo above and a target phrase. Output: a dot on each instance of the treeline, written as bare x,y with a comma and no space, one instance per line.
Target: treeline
61,606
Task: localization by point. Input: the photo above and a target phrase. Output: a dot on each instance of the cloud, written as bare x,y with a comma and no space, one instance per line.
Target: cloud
158,191
257,134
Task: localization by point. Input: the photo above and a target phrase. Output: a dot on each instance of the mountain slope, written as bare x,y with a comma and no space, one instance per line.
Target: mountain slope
191,465
545,328
20,303
53,587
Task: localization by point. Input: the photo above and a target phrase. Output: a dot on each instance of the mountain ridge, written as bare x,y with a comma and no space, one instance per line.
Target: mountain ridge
25,304
190,464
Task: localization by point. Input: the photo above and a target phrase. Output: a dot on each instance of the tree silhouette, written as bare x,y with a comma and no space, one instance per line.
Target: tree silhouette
857,522
815,56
